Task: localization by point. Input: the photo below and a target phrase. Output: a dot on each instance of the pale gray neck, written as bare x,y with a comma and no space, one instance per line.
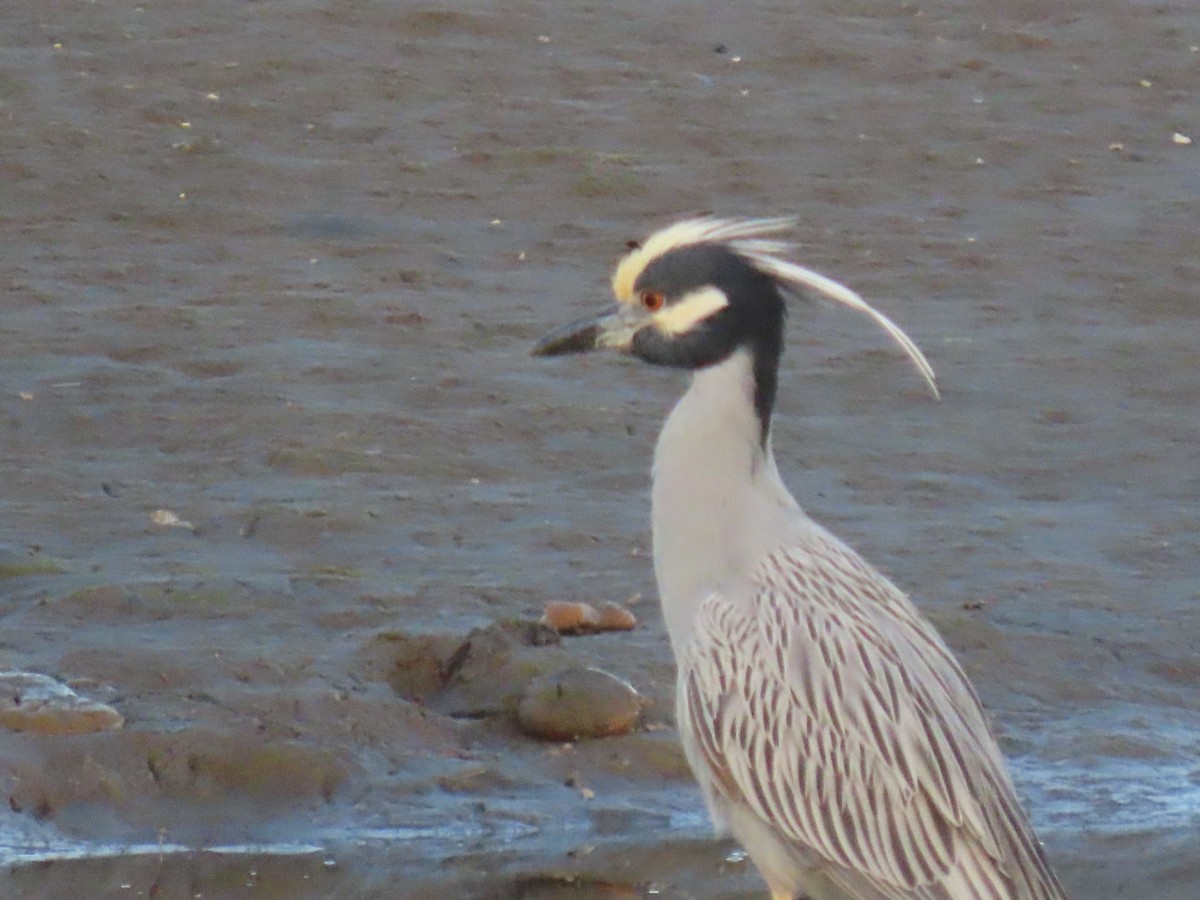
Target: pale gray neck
718,503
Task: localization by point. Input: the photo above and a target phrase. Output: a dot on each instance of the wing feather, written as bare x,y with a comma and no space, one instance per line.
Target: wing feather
831,708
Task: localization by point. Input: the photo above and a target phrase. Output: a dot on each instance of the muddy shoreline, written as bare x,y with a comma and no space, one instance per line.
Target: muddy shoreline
271,272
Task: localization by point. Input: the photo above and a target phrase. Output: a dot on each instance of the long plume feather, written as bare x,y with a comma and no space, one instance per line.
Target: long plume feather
793,275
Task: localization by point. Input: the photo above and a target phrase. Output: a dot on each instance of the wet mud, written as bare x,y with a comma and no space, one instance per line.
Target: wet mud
275,452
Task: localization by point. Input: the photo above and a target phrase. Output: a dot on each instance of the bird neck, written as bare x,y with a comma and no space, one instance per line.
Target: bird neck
718,505
765,353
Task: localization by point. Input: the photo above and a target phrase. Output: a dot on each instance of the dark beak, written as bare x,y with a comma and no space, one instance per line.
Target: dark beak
612,330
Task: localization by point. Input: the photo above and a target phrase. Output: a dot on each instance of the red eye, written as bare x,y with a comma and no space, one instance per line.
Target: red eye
652,300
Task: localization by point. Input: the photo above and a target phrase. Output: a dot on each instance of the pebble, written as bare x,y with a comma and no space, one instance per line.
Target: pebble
570,618
583,618
614,617
578,703
30,701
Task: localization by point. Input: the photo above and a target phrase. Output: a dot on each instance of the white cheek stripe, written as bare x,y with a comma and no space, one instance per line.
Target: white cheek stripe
690,309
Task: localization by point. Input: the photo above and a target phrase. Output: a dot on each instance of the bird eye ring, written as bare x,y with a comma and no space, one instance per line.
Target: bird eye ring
653,300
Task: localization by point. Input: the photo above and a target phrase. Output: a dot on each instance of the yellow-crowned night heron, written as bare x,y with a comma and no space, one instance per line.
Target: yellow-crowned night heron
832,731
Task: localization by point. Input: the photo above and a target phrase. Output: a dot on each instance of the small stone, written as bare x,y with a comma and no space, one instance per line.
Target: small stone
578,703
1181,139
164,518
30,701
614,617
570,618
583,618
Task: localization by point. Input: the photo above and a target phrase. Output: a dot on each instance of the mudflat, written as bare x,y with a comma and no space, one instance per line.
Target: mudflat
286,496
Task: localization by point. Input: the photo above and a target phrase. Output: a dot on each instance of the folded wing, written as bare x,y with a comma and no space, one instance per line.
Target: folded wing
830,708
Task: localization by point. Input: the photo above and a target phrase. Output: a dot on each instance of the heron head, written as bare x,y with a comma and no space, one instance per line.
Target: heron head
697,291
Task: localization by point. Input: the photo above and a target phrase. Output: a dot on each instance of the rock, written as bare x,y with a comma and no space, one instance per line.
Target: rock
33,702
570,618
488,673
614,617
578,703
583,618
480,675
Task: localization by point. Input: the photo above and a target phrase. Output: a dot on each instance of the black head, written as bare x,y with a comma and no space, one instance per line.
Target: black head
710,302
